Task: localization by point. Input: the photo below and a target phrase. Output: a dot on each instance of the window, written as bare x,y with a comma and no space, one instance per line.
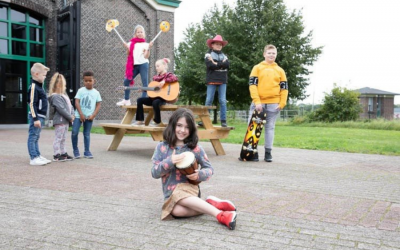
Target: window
36,50
18,31
18,48
35,21
21,34
370,104
3,46
17,16
3,13
36,34
3,29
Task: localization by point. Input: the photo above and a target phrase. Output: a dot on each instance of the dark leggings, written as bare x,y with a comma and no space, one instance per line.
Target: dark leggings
155,102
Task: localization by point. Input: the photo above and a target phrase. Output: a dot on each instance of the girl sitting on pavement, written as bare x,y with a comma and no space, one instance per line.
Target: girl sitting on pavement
181,198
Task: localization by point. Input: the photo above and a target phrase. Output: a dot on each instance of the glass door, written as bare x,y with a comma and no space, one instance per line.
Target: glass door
13,91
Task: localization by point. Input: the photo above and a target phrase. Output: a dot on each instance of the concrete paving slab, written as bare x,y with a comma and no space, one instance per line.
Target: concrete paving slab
304,199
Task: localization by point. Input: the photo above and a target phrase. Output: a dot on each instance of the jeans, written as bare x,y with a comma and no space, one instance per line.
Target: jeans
221,98
143,70
272,115
155,102
87,126
33,137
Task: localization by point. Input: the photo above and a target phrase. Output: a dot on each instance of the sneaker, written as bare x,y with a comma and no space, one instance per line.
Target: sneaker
223,124
37,162
88,155
138,123
44,159
67,157
223,205
255,158
77,155
124,103
58,157
228,218
154,124
268,156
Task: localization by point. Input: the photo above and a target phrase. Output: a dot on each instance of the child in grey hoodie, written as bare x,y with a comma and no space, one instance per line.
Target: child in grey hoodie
62,113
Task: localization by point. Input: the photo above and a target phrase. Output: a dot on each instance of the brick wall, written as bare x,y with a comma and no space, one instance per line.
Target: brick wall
387,107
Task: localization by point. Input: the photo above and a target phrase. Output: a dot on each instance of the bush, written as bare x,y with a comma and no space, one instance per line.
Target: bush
339,105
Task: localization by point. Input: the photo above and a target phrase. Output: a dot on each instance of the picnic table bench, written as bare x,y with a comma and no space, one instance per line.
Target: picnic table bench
210,132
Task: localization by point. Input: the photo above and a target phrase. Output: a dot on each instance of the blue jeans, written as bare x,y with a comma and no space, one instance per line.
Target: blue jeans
33,138
87,126
221,98
143,70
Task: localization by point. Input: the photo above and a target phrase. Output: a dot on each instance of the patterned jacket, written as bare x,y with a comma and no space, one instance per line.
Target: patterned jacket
170,176
168,77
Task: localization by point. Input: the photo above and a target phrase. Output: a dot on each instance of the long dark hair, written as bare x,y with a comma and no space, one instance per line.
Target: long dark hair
169,133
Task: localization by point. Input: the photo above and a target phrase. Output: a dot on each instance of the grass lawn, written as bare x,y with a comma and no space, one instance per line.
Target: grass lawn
353,140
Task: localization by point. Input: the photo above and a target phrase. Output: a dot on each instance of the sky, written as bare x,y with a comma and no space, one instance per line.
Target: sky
361,41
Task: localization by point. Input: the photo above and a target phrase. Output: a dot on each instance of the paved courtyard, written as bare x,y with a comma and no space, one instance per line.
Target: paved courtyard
304,199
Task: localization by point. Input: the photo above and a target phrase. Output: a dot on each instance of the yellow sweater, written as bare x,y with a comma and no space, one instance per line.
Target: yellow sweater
268,84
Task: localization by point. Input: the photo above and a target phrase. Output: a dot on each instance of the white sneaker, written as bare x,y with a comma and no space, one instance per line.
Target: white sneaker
44,159
138,124
124,103
154,124
37,162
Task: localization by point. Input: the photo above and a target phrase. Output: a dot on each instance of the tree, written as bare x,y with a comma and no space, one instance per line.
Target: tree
339,105
248,27
190,66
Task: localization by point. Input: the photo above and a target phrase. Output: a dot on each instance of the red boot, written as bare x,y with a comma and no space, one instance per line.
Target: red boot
223,205
228,218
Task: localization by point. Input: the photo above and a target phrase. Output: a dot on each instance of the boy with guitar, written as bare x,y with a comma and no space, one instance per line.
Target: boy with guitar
163,77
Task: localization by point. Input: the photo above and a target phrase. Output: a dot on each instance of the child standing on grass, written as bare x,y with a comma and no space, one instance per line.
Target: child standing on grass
62,113
181,198
87,104
163,77
37,101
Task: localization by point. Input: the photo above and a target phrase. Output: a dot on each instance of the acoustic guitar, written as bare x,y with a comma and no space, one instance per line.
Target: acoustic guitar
169,92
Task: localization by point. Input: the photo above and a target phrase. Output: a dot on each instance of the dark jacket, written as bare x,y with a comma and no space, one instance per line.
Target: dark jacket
60,111
217,72
37,100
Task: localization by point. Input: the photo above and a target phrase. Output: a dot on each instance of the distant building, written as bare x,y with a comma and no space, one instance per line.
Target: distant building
376,103
69,36
396,113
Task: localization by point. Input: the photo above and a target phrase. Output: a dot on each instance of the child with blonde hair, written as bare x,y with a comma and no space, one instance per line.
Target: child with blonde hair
163,77
37,101
62,113
137,62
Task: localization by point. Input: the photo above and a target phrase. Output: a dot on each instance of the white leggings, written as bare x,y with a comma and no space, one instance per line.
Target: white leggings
59,139
272,115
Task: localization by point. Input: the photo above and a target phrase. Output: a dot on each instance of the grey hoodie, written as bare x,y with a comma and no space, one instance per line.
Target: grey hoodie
60,111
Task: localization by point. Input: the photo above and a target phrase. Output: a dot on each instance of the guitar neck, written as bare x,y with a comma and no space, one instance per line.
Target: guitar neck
142,88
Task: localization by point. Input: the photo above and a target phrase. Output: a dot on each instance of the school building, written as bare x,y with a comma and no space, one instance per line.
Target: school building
376,103
69,37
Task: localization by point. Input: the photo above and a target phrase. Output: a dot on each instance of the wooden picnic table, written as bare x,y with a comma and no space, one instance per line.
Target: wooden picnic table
208,131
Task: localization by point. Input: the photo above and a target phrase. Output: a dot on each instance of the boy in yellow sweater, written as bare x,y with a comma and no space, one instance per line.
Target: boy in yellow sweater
269,91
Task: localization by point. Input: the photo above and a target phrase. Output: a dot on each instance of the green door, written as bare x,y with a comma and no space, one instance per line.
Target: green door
22,43
13,92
